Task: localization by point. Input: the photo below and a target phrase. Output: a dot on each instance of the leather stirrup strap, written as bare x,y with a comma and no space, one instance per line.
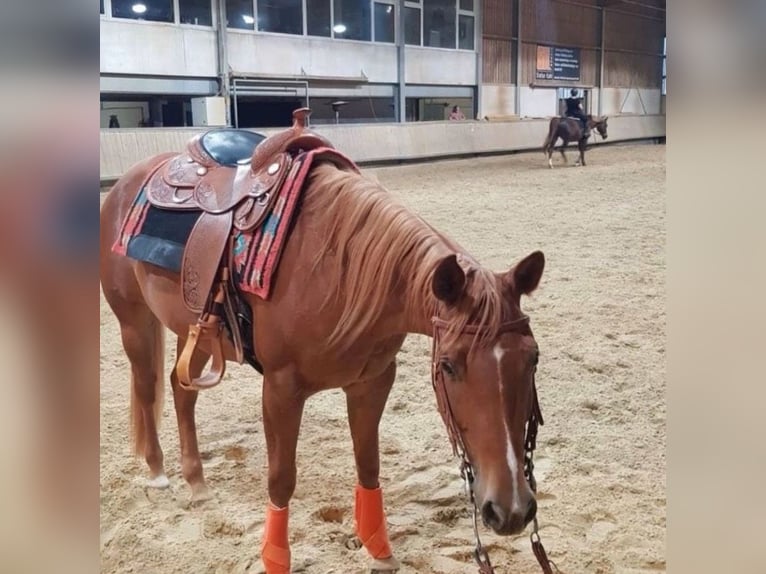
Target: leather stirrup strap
228,304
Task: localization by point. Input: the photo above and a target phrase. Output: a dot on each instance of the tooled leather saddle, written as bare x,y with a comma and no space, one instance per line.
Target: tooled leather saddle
232,177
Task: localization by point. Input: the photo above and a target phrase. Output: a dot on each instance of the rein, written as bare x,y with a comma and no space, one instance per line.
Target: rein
480,554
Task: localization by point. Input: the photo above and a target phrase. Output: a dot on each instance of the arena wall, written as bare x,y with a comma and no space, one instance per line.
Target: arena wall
121,148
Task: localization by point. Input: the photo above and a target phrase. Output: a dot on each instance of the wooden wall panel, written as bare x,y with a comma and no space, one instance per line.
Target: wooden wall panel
627,32
498,17
555,22
497,61
623,70
551,21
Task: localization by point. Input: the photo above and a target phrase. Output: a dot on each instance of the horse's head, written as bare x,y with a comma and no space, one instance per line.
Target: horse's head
486,359
600,125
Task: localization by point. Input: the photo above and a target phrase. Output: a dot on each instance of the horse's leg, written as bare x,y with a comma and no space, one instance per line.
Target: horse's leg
365,401
550,151
283,402
564,144
581,159
191,464
143,340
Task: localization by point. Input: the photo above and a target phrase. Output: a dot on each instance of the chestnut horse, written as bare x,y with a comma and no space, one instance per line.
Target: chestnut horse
358,273
569,130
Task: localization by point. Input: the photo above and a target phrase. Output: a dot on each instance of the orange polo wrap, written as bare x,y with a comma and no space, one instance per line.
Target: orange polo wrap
275,549
371,521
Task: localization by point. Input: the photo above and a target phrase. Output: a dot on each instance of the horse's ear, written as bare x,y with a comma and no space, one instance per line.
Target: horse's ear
525,275
449,280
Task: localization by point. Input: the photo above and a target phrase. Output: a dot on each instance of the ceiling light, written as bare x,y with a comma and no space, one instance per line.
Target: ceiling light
139,8
339,28
248,19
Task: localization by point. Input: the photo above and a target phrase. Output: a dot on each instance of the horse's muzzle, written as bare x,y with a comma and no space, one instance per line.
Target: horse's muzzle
506,524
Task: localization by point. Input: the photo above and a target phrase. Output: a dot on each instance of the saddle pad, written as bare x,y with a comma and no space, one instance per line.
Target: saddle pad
159,236
162,235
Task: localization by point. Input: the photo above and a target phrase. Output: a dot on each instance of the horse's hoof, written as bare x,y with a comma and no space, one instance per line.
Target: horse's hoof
352,543
160,481
200,497
385,566
200,492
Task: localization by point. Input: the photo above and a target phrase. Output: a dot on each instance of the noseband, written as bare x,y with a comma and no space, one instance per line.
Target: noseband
458,445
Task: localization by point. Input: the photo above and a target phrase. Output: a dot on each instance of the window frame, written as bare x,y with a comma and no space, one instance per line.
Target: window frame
242,30
107,15
472,14
372,24
304,33
304,23
391,3
418,4
306,20
213,16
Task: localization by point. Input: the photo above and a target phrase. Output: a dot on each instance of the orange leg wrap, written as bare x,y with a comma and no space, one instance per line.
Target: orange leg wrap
275,549
371,521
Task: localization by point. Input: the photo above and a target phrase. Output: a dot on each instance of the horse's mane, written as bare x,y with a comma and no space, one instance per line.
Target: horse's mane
377,248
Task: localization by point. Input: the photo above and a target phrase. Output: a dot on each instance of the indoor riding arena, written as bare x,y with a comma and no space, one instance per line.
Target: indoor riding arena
446,104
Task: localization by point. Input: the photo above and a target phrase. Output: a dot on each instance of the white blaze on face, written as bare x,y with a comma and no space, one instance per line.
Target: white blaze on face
513,466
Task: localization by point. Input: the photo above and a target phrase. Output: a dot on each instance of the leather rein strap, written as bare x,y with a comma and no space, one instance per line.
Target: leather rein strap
458,446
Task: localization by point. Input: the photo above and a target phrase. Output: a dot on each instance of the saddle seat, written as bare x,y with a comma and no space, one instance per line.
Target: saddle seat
233,177
227,169
227,146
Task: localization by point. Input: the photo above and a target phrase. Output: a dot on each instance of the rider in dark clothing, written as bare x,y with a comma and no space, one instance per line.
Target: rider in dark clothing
574,110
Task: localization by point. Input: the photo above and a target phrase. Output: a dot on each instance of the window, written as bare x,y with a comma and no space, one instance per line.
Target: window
196,12
102,6
283,16
384,22
318,18
239,14
466,5
152,10
352,20
412,26
439,23
465,32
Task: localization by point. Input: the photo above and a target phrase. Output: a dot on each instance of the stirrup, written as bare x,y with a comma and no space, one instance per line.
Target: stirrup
209,327
211,330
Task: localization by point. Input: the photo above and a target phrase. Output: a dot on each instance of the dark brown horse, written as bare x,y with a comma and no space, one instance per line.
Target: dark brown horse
358,273
571,130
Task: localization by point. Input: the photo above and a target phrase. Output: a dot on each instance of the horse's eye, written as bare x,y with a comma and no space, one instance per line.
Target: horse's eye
447,367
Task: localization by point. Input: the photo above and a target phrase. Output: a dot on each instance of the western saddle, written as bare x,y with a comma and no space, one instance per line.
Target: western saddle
233,177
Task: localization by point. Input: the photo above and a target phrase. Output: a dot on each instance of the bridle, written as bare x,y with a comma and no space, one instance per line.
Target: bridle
458,446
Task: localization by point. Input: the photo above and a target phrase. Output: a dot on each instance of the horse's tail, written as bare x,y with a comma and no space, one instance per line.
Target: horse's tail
551,132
